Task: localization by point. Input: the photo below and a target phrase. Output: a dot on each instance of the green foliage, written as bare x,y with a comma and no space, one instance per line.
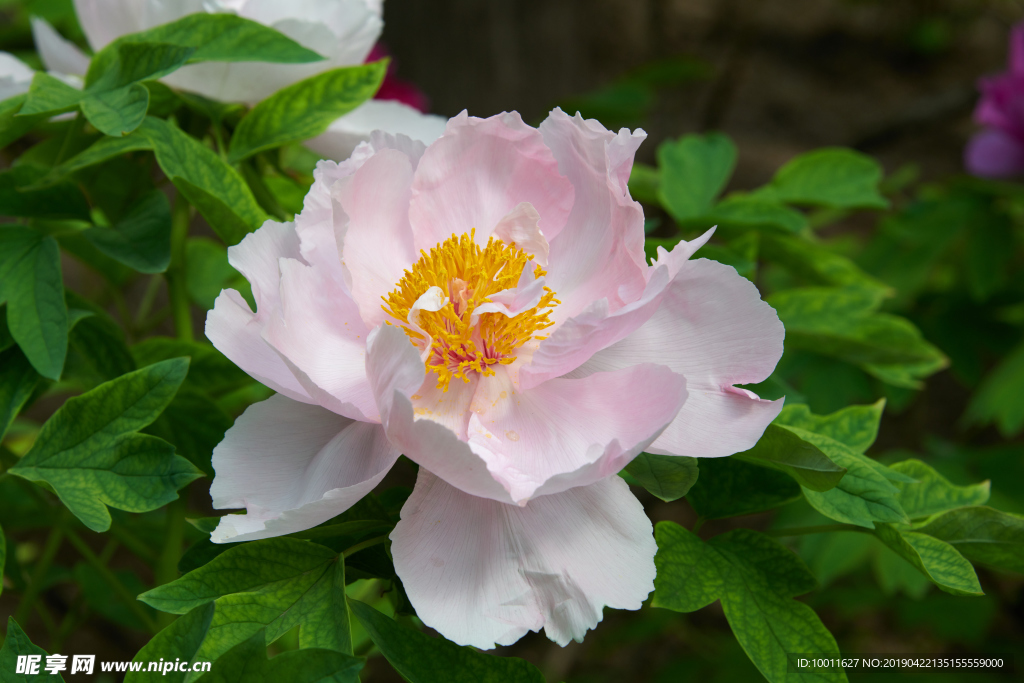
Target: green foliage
33,289
694,170
421,659
305,109
756,579
213,187
17,643
728,487
931,493
247,662
89,452
836,178
18,379
782,448
937,560
982,535
142,239
668,477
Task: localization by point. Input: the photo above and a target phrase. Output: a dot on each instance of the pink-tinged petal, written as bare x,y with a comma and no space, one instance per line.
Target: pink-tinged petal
377,239
483,573
713,329
395,118
319,332
397,373
599,254
233,327
521,226
58,55
570,432
293,466
479,171
994,154
576,340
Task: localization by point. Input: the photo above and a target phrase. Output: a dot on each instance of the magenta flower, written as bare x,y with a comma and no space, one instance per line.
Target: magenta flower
483,305
395,89
998,151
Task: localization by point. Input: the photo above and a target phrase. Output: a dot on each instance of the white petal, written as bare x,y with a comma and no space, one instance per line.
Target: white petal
15,76
483,573
342,136
520,225
293,466
59,55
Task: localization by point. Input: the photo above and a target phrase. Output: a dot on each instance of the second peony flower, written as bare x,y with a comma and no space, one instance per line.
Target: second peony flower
483,306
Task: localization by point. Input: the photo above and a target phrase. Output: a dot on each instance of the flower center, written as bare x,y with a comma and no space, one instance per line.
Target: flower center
460,277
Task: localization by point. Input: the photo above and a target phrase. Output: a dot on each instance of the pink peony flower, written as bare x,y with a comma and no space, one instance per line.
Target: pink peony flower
483,305
998,151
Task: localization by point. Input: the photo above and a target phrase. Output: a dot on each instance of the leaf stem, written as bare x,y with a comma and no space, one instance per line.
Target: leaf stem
363,545
130,601
166,569
35,585
176,286
818,529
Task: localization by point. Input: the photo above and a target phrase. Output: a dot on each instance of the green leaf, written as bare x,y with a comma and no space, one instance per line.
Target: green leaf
17,382
246,567
304,110
274,584
3,551
102,150
32,286
88,452
816,264
728,487
687,576
13,126
180,640
49,95
863,496
117,112
782,449
1000,398
96,347
932,493
142,239
982,535
247,663
738,214
844,323
834,177
17,643
854,426
209,371
644,181
422,659
213,187
694,169
134,62
934,558
755,578
208,272
195,424
668,477
216,38
20,196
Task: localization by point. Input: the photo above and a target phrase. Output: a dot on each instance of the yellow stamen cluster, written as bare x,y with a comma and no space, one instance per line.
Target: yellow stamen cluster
468,274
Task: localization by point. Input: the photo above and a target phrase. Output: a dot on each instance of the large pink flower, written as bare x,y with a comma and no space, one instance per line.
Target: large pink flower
483,306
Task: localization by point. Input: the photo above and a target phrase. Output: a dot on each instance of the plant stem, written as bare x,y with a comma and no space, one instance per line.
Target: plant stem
148,297
176,286
89,556
819,529
78,610
35,585
166,569
363,545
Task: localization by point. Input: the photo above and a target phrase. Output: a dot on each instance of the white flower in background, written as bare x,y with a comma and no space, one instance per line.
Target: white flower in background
343,31
15,76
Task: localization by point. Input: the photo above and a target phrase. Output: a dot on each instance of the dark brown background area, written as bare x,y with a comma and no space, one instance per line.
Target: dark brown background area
893,78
